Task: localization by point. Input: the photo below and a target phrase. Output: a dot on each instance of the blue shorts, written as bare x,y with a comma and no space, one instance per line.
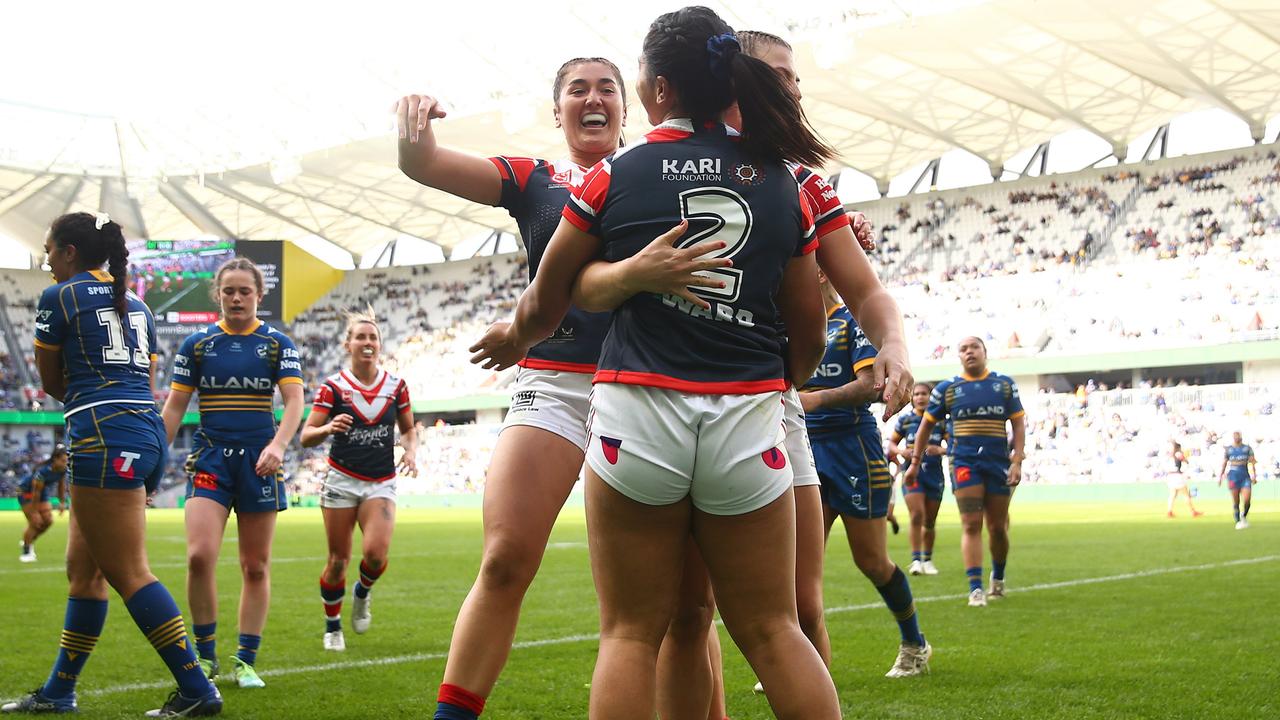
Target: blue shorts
852,471
929,482
120,447
226,475
992,475
27,497
1239,484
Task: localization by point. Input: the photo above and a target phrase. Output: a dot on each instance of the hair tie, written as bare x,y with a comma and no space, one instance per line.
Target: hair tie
101,220
721,50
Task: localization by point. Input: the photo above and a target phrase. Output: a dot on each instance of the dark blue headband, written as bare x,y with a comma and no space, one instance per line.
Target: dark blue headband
720,52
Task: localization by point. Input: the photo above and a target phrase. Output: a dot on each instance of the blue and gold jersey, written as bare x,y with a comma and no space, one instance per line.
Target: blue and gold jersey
907,425
235,376
45,475
107,358
1238,459
976,410
848,353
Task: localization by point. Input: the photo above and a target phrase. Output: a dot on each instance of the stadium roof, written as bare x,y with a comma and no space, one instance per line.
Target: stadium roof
294,143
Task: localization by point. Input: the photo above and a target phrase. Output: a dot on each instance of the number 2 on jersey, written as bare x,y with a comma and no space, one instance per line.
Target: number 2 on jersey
731,221
117,351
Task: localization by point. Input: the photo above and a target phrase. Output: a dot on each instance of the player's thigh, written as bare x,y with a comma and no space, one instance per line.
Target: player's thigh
637,553
339,525
970,501
530,476
206,521
113,523
46,514
931,508
996,510
751,559
915,504
31,511
83,575
377,518
868,542
255,532
810,539
1246,493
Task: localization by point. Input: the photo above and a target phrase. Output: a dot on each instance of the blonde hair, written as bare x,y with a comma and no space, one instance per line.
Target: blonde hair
356,317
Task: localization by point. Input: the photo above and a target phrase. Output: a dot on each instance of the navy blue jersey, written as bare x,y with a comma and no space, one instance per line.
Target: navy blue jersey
107,357
757,208
1238,459
976,410
848,353
45,474
907,425
235,375
367,450
534,192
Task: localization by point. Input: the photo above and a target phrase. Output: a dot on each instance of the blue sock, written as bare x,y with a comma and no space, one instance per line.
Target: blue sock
456,703
1246,509
1235,509
928,555
206,642
249,645
80,630
916,556
997,570
897,595
157,616
975,577
445,711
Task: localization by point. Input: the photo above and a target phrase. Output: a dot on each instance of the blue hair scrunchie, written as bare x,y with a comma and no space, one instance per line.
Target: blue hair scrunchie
721,50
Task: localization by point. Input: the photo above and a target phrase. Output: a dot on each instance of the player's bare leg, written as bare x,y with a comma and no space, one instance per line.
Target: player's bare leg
685,672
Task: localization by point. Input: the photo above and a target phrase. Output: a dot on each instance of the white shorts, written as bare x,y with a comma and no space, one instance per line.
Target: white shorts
1176,481
343,491
798,450
553,400
724,452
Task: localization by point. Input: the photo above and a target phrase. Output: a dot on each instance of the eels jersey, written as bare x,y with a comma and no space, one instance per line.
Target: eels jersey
1238,459
700,174
235,376
907,425
848,353
976,410
534,193
107,357
367,450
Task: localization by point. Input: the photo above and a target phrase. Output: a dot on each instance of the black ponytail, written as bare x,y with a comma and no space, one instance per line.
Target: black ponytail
699,54
97,240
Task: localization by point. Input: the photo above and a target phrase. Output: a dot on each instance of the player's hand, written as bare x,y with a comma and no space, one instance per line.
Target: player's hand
408,464
893,379
863,231
340,424
810,401
912,475
665,269
269,461
413,113
934,450
497,350
1015,474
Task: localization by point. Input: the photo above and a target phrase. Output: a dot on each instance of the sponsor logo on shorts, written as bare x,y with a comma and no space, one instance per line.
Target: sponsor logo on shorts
523,400
207,481
774,458
609,447
124,464
962,474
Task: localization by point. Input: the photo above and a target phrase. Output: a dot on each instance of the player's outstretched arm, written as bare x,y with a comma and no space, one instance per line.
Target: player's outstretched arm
660,268
852,394
805,318
877,313
424,160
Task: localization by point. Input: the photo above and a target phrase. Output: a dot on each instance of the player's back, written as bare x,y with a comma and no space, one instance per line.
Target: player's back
107,357
755,207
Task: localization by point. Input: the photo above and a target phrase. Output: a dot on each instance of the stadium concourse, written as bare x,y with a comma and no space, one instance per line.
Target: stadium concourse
1164,260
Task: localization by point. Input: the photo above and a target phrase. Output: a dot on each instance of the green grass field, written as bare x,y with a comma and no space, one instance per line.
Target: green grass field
1114,612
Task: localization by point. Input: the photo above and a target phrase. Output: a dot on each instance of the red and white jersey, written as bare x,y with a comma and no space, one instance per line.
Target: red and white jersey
367,450
829,212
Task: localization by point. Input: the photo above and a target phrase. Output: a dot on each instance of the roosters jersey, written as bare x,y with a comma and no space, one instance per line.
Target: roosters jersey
702,175
235,376
367,450
107,357
829,212
976,410
534,192
848,353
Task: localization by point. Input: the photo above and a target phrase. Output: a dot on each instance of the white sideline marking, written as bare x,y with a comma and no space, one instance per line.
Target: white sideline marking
416,657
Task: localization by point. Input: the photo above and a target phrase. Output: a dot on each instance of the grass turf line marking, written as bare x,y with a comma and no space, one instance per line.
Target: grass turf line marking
417,657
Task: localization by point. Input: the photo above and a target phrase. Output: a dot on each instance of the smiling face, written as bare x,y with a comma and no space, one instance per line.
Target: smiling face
590,108
364,343
238,296
61,261
973,356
